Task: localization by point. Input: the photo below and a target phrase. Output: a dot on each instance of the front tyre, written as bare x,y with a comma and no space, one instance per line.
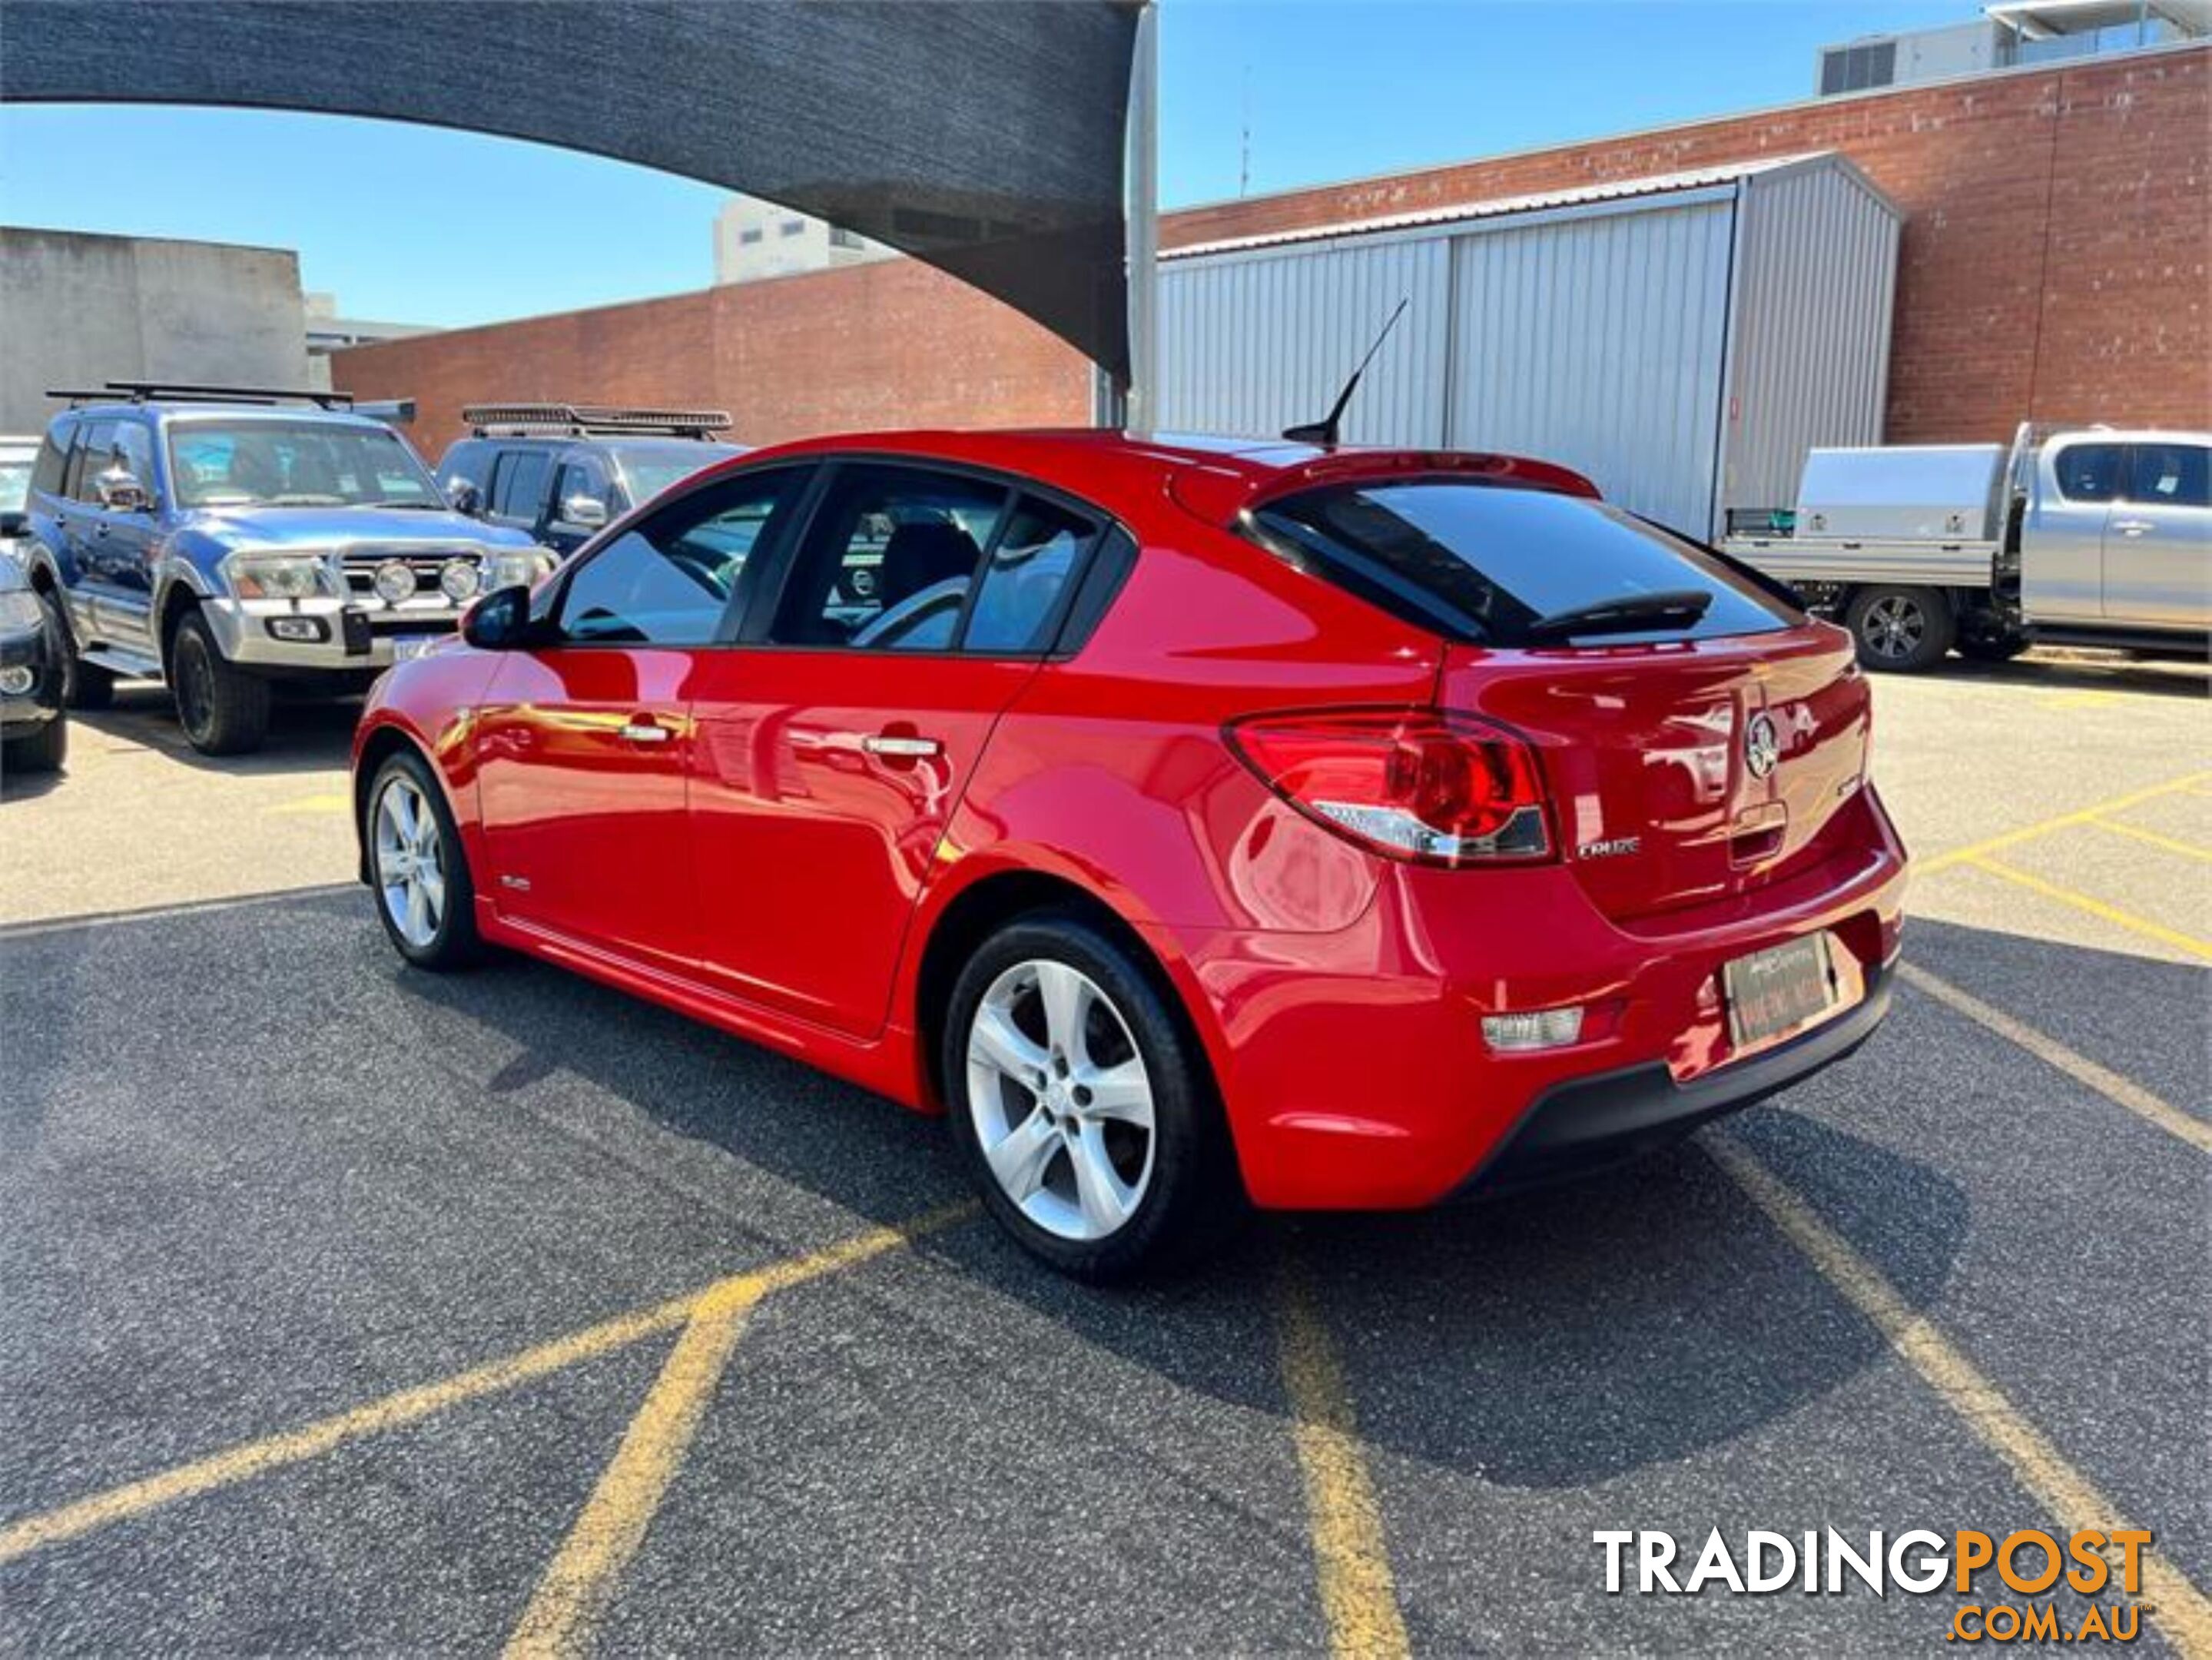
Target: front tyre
1082,1105
424,896
223,709
1901,629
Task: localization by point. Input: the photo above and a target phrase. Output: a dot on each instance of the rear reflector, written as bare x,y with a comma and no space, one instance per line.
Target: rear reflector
1543,1028
1426,786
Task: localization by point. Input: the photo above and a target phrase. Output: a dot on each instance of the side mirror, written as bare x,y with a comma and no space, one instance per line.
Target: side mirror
585,512
462,495
121,492
500,621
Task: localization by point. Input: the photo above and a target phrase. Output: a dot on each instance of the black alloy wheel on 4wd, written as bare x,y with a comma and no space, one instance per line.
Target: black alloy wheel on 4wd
1901,629
223,709
1083,1105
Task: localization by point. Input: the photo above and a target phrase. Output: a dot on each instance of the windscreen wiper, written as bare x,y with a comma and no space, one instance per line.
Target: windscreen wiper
1635,613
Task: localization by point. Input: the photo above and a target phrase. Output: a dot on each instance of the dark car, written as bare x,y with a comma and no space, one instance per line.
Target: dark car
562,471
33,732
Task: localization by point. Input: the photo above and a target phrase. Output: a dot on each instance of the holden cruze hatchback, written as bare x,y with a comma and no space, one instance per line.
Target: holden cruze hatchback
1192,823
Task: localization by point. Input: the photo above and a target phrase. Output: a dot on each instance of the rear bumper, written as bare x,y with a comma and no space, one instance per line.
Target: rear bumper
1354,1072
1577,1127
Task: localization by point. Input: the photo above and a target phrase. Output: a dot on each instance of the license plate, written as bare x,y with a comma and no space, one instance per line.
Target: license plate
1780,989
413,645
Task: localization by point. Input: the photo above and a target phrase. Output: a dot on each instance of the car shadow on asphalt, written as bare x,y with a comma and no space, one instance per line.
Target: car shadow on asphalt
2087,672
306,733
1550,1339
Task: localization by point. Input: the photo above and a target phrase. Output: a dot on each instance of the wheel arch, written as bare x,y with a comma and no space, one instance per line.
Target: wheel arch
377,743
988,902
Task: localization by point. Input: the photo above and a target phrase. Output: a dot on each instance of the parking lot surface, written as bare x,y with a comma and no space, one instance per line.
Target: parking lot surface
352,1309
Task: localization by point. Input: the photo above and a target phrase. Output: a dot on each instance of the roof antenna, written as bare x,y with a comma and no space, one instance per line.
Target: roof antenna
1324,432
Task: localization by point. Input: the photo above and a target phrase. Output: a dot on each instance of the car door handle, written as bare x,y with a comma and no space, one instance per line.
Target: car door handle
903,748
644,732
2132,526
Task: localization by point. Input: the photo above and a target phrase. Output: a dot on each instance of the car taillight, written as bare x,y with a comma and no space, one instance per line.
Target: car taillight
1422,785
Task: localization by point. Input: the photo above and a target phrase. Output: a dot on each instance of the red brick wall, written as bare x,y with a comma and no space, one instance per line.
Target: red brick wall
2057,263
891,344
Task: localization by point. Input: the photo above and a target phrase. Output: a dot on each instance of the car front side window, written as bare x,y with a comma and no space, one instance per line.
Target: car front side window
676,578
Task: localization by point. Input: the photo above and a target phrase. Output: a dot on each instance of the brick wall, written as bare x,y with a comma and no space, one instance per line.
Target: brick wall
2057,263
895,344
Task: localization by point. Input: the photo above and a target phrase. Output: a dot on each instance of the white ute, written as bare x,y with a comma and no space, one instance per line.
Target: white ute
2080,536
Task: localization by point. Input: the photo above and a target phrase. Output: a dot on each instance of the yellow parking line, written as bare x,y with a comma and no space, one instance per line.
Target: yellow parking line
2188,849
2180,1609
333,802
1358,1597
1975,850
411,1406
607,1532
393,1412
2112,914
2121,1091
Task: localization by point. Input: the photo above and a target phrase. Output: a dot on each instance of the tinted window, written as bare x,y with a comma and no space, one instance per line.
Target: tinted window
94,455
134,449
1019,598
578,478
2171,475
670,581
2089,473
1482,563
518,485
888,564
53,457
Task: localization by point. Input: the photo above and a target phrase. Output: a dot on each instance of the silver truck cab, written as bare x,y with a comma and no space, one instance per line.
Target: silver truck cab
2118,531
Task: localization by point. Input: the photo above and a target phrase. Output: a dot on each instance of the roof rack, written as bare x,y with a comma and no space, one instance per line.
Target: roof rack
190,391
587,420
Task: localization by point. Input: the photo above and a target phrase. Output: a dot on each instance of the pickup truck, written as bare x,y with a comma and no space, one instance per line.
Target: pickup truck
2080,536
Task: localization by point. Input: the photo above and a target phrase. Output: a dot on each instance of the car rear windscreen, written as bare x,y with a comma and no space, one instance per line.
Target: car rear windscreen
1485,563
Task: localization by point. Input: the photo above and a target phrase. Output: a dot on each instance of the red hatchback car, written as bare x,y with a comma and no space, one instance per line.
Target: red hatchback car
1194,823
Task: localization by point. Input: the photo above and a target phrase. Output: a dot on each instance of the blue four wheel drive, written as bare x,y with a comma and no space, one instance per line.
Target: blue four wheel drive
223,539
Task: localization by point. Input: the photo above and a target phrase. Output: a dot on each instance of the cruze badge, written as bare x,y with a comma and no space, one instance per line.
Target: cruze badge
1612,849
1762,744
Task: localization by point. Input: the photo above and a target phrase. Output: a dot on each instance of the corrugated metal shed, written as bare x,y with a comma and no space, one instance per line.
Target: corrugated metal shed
1683,338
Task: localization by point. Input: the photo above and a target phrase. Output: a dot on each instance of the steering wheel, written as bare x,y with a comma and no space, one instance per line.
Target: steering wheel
888,622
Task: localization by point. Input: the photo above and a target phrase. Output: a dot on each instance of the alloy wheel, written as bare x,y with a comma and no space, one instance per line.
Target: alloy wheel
1894,626
195,690
1061,1103
411,862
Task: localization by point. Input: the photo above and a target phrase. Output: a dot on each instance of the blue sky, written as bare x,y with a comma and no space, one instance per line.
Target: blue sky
447,228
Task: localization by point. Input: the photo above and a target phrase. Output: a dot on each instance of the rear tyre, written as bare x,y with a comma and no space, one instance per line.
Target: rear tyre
1082,1104
223,709
42,751
1901,629
417,868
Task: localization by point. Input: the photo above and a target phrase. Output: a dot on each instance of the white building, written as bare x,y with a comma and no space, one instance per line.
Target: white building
755,239
2010,35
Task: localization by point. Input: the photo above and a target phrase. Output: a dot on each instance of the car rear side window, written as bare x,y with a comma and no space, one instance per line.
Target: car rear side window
1018,599
518,485
2171,475
889,562
53,457
1487,563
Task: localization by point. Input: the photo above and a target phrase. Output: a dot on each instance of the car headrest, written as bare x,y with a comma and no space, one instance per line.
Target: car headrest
922,554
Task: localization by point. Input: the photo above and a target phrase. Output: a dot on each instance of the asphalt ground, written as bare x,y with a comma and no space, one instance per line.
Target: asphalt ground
348,1309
